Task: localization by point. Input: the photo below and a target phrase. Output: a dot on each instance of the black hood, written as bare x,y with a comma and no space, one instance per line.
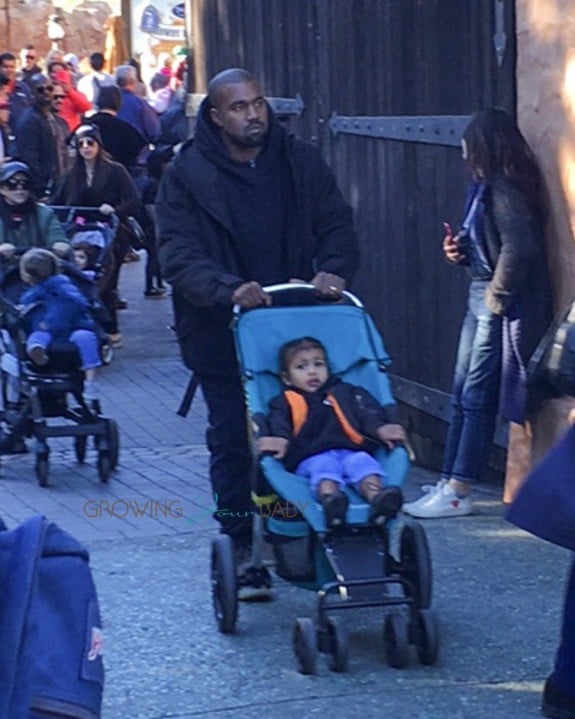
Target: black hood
208,141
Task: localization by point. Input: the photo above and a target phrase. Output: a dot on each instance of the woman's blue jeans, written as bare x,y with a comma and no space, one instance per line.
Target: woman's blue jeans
475,389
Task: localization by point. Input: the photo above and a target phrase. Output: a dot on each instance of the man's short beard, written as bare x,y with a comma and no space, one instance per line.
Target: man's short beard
247,141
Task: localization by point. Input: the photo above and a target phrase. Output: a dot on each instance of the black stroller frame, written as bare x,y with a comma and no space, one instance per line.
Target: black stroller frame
361,565
32,394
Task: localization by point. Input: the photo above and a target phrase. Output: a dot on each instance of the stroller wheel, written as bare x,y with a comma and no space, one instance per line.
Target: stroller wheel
426,636
80,443
305,645
338,646
224,583
104,465
113,442
415,563
395,638
42,469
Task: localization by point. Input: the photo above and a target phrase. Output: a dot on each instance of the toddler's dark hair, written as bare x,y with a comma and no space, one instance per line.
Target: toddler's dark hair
292,347
36,265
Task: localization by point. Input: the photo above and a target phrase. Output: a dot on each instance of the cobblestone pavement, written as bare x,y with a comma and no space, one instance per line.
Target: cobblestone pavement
497,591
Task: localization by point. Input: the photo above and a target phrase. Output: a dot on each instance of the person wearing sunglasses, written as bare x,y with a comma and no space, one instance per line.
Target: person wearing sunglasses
74,105
28,64
24,223
36,139
62,132
95,180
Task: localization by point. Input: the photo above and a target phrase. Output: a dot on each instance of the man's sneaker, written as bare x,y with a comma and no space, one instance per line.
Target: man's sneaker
441,502
556,703
386,504
254,583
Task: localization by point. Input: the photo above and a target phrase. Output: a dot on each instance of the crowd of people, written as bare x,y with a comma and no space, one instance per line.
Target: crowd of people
88,139
106,142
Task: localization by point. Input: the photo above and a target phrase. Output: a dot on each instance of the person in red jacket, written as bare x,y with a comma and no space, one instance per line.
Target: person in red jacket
75,104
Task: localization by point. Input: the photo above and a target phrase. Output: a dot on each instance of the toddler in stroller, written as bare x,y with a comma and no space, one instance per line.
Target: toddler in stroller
312,430
54,310
371,555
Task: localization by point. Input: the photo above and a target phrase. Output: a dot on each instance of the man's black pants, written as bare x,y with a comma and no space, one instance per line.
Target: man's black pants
231,458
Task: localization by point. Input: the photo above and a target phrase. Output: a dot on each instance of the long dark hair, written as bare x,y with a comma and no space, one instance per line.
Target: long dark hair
495,146
77,178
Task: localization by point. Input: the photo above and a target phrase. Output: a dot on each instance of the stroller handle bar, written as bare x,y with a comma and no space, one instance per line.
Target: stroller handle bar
74,210
305,288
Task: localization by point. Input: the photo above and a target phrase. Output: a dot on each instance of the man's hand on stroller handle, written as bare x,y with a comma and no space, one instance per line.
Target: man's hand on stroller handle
328,284
390,434
273,446
106,209
249,295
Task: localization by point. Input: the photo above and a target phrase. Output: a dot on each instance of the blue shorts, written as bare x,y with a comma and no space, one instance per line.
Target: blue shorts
342,466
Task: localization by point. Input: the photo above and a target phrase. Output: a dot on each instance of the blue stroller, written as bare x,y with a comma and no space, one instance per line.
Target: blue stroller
362,566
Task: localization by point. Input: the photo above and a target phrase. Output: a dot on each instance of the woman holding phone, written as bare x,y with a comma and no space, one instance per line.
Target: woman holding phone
509,301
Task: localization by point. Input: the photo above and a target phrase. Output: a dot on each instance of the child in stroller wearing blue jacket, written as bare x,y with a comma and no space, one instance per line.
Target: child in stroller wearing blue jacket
326,430
56,311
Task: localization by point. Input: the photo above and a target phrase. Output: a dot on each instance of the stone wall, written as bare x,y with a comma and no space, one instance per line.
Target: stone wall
25,22
546,112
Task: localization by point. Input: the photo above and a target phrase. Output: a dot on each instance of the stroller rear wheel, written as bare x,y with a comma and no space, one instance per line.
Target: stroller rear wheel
224,583
305,645
415,563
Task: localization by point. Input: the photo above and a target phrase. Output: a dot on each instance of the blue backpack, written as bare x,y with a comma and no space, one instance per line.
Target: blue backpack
50,630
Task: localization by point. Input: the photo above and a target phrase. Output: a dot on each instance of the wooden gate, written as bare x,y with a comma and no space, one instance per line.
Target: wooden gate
387,86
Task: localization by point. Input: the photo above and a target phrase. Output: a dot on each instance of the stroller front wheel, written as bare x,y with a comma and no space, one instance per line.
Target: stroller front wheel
338,646
42,470
305,645
396,639
426,637
80,448
224,583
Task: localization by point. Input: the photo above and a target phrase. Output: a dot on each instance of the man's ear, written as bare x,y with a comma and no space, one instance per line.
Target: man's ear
215,116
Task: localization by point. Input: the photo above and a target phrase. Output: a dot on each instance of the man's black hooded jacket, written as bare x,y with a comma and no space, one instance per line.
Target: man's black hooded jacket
207,249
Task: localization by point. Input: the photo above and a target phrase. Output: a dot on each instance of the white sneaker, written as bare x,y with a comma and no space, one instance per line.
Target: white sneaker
442,502
428,490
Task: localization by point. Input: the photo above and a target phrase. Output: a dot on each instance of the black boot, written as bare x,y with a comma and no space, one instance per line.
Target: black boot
386,504
334,507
